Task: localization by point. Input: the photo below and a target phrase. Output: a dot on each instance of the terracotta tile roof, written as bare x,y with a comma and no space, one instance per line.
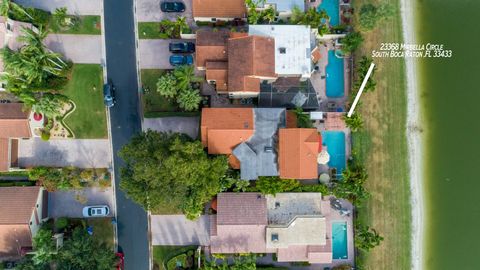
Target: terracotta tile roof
241,209
13,121
298,151
316,55
224,128
4,166
334,121
12,238
17,204
238,239
234,162
248,57
320,254
219,8
217,71
210,46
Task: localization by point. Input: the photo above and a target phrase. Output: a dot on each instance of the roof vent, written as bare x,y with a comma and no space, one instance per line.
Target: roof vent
282,50
277,205
274,237
268,149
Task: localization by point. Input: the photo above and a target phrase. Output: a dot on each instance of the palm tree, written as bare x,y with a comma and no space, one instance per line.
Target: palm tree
303,119
253,16
181,23
189,99
354,122
367,238
185,75
8,7
297,15
269,14
50,105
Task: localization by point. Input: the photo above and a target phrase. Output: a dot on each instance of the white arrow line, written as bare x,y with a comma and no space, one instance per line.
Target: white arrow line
369,72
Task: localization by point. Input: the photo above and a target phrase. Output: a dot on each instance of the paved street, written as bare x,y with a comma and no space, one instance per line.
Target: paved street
78,7
86,49
61,153
187,125
149,11
125,121
176,230
71,203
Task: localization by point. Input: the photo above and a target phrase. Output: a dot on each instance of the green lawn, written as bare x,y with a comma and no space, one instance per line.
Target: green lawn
161,254
102,230
86,25
383,148
150,30
152,101
89,120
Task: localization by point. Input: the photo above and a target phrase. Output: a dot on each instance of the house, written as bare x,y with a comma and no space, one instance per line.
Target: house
294,226
10,30
22,211
238,63
14,125
283,8
293,48
218,10
261,142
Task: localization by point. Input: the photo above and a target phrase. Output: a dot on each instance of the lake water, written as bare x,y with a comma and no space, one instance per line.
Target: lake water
450,95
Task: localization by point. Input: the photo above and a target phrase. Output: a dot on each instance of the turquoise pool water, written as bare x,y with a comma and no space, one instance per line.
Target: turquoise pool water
335,82
339,240
332,8
335,142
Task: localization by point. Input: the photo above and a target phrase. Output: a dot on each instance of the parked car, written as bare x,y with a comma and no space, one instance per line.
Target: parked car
178,60
109,95
96,211
172,7
181,47
121,261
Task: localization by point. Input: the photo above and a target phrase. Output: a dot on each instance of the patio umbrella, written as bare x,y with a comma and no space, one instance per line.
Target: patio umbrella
323,157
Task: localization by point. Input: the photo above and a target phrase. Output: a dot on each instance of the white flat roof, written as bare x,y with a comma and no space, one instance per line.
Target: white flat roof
292,47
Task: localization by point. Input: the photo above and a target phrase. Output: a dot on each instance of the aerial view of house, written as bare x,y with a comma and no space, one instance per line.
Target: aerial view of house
233,134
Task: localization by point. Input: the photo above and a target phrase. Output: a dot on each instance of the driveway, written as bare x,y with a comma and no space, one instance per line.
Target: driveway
154,53
86,49
149,11
71,203
77,7
177,230
187,125
61,153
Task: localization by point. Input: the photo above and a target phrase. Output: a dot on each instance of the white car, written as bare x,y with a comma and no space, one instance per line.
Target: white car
96,211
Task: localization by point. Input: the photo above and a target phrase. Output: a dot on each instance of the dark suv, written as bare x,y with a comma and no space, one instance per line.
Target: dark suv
172,7
109,94
182,47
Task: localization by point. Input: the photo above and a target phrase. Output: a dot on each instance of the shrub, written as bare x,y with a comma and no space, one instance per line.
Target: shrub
273,185
87,175
352,41
61,223
370,15
45,135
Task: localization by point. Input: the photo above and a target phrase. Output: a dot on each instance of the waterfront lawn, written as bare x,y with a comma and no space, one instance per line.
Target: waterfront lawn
86,25
161,254
383,148
102,230
84,88
150,30
154,104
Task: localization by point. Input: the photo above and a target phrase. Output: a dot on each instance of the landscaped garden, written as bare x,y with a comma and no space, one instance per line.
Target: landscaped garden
84,88
174,257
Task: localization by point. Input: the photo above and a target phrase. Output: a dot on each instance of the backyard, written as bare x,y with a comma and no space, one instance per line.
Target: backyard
383,148
84,88
161,254
83,25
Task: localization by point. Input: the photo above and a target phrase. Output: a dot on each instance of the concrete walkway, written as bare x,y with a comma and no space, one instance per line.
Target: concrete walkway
71,203
77,7
62,153
187,125
176,230
86,49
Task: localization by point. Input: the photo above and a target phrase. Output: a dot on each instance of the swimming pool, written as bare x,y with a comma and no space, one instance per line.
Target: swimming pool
335,142
335,83
332,8
339,241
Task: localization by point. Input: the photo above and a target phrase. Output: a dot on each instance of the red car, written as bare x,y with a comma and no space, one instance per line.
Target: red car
121,261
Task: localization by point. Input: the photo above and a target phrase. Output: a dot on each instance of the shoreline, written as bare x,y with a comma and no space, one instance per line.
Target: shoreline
414,139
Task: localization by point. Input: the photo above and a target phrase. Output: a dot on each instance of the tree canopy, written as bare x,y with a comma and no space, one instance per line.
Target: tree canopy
370,15
367,238
170,169
351,41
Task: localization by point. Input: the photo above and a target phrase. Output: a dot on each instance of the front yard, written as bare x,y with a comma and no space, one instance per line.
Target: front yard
84,88
82,25
162,254
102,230
150,30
